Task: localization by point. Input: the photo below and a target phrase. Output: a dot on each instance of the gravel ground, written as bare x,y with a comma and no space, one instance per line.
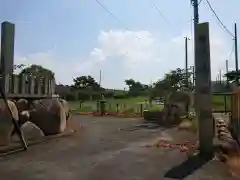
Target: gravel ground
109,148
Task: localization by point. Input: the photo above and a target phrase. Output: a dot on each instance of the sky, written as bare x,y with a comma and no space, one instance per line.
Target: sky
79,37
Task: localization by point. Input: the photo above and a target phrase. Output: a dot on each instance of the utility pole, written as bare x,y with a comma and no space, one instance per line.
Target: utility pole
195,14
226,66
195,21
186,61
236,47
227,70
100,82
100,77
193,70
220,76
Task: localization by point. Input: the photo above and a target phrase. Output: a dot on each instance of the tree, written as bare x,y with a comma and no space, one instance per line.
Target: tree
177,79
37,71
86,83
18,66
173,81
136,88
233,76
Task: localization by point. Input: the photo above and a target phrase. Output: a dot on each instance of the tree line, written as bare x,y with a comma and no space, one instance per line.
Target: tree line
87,88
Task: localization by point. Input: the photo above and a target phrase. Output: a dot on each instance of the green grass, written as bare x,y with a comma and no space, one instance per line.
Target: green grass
114,105
133,104
218,102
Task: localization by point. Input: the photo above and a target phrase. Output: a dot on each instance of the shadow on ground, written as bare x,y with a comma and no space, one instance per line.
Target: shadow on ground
188,167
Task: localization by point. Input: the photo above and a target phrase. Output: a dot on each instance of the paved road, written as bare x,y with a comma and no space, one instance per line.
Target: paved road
108,149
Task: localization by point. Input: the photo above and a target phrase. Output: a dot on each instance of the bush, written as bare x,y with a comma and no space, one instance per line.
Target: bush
70,97
120,95
109,94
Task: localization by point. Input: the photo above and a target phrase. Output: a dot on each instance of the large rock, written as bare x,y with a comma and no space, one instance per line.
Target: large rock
22,105
152,115
6,124
66,107
30,132
183,100
168,116
49,116
23,117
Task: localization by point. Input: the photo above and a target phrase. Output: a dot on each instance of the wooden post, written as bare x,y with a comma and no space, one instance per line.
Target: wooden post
203,89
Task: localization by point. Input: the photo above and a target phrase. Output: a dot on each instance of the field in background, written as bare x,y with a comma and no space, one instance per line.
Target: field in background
219,103
116,105
134,104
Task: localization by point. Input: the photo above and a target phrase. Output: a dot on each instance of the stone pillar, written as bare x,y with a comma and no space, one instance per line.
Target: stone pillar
7,54
203,89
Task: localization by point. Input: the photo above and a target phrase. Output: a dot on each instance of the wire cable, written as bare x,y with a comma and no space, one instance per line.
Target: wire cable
200,2
164,17
231,52
219,20
109,12
161,14
118,20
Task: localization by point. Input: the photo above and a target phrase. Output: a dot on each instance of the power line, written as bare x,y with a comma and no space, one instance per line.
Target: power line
219,20
109,12
154,5
231,52
163,16
200,2
118,20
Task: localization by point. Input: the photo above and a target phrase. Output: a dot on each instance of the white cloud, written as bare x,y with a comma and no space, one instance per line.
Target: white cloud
133,47
50,61
143,56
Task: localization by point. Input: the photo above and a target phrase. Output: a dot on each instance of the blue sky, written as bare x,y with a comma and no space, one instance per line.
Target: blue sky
74,37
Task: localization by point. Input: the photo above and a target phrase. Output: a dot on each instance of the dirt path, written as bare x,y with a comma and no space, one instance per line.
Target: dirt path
108,149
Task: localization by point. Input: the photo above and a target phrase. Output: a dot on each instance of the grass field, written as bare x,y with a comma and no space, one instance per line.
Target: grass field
218,102
115,105
134,104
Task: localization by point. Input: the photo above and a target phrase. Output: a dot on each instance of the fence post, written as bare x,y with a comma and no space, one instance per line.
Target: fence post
103,107
16,84
23,84
124,106
80,103
117,106
31,85
45,85
141,109
225,104
98,106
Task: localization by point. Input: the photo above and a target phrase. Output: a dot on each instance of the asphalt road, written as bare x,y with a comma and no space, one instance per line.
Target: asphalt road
107,148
